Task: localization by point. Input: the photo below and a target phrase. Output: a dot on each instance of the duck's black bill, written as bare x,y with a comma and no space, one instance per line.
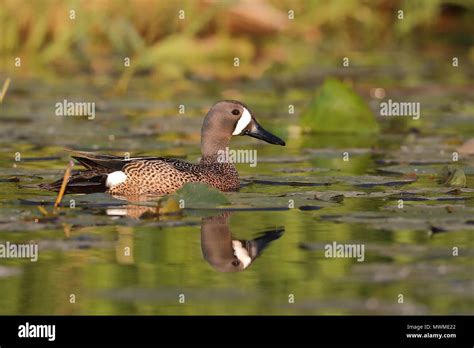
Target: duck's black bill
258,132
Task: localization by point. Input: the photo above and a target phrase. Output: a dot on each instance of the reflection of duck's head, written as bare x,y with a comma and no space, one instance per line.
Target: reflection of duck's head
226,254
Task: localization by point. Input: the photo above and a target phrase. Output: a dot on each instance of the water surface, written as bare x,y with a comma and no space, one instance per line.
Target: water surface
298,199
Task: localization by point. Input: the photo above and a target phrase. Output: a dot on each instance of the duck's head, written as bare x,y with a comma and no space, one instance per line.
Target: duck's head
228,118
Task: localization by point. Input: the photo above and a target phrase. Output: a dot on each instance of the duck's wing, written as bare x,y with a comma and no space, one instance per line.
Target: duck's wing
106,163
111,163
159,163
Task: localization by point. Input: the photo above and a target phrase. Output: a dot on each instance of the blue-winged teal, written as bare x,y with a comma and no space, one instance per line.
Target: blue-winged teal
138,176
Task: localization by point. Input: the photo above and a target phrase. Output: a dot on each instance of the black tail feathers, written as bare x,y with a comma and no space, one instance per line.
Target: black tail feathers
86,181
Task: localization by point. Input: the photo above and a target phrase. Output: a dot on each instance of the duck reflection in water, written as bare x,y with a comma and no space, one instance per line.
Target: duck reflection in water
219,248
226,254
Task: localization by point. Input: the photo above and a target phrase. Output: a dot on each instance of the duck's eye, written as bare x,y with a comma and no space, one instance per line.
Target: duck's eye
235,112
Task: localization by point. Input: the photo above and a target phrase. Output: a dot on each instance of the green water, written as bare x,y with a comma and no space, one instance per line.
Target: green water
408,251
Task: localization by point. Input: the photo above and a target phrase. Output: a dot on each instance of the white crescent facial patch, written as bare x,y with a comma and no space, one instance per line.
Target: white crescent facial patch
241,253
243,122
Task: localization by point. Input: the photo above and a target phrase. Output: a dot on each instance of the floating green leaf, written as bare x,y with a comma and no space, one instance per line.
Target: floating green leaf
198,195
452,176
338,109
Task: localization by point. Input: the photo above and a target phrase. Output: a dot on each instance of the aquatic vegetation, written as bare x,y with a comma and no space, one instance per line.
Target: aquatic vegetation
200,195
338,109
56,38
452,176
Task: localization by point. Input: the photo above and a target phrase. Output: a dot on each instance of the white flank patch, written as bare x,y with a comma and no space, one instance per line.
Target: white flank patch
241,253
115,178
243,122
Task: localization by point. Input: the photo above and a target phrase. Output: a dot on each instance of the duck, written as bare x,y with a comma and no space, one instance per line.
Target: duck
137,176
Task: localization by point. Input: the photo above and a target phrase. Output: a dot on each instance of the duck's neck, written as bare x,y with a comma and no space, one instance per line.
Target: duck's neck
215,162
213,146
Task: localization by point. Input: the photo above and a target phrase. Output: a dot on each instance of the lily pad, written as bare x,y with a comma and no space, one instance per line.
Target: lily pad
452,176
418,169
262,201
338,109
290,181
373,180
302,170
406,219
199,195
